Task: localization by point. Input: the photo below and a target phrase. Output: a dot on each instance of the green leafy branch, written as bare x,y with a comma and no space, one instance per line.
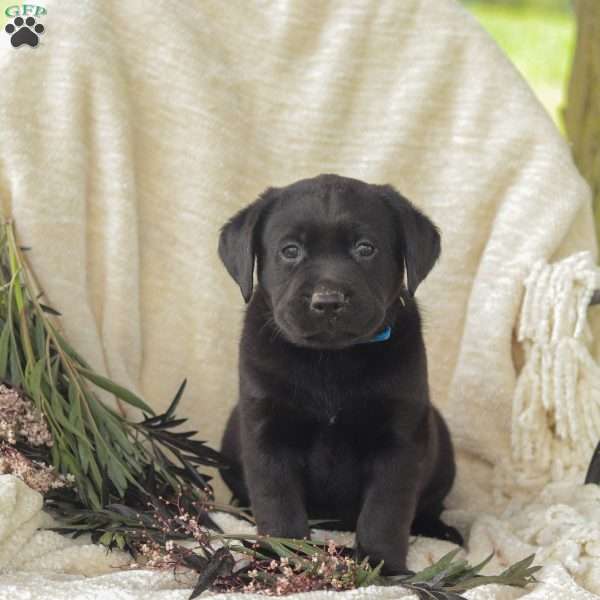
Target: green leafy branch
107,454
449,577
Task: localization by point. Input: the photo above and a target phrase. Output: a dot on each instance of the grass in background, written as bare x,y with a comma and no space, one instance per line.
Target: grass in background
539,39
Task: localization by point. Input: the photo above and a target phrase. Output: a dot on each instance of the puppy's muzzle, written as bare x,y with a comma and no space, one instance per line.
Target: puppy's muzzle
328,303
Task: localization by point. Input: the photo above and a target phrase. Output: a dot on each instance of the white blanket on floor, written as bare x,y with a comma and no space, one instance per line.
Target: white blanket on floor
135,129
561,526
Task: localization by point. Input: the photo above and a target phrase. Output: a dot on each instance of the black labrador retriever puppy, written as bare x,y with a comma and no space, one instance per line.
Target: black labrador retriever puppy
334,419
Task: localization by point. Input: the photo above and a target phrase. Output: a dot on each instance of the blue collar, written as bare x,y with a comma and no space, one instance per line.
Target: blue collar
382,336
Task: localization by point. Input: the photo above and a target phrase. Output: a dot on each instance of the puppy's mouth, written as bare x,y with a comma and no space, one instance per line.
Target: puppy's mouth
330,337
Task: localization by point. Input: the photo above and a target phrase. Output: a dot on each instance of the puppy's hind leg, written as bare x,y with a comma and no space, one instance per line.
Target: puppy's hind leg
429,524
427,521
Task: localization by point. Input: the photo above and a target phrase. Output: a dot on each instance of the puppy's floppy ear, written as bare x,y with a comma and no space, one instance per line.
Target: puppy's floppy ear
237,243
420,237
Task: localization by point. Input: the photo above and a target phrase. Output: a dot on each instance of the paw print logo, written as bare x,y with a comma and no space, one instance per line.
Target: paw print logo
24,31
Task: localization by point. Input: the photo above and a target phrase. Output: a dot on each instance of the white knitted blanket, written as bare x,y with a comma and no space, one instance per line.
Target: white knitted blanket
561,526
134,129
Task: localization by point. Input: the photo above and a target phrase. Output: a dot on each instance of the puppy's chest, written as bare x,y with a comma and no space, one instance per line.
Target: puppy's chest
336,406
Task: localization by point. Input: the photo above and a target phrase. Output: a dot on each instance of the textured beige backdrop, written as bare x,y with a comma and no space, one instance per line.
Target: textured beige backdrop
136,128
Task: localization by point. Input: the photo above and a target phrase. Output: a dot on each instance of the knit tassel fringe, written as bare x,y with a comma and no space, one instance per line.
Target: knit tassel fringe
556,406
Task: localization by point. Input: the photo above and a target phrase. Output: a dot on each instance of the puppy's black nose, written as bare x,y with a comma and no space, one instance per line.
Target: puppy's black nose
327,303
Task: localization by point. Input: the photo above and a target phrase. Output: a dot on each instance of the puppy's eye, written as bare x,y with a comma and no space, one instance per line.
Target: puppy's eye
364,249
291,252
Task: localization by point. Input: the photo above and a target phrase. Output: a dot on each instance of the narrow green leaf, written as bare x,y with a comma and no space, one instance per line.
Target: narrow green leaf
4,346
94,471
117,476
372,575
16,374
84,455
39,337
74,401
176,399
430,572
277,547
65,423
518,567
67,348
16,283
117,432
469,571
50,310
70,462
119,391
101,452
309,548
93,498
35,380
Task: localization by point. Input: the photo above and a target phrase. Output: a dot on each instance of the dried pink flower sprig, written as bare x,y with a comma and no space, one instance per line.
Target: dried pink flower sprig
328,569
244,565
20,421
35,474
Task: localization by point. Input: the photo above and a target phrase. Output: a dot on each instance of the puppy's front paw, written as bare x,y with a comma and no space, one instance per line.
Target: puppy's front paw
397,572
393,562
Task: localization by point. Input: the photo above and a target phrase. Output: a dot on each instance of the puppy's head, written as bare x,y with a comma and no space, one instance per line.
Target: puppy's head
331,256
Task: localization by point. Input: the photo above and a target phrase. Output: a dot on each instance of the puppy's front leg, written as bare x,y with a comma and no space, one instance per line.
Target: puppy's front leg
389,507
275,484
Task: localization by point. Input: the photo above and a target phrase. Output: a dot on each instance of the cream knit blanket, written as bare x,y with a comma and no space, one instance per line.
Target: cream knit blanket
134,129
